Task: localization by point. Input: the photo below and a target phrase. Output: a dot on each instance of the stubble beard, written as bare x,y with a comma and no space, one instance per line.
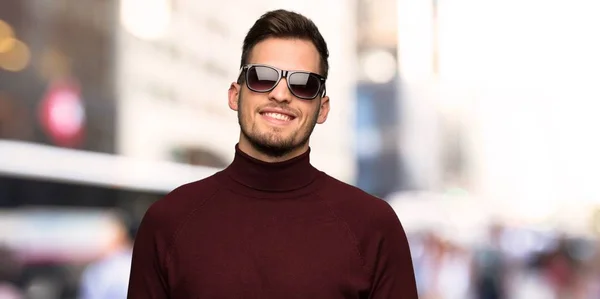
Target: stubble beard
270,143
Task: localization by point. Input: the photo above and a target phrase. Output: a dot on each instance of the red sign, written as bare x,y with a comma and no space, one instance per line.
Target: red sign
62,114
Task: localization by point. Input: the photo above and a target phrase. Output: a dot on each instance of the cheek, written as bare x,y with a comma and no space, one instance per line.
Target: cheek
247,109
311,114
309,110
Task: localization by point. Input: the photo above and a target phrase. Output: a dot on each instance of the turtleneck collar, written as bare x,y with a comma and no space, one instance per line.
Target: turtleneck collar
289,175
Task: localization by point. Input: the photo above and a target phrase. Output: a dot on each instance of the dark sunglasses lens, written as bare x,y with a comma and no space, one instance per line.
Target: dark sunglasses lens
261,78
304,85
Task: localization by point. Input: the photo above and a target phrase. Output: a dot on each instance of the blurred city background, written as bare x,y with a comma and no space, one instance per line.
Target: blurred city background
476,120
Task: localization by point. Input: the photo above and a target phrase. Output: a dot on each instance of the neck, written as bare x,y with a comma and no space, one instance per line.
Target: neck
280,176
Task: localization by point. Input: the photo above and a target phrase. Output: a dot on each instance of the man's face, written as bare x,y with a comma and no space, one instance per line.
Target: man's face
277,124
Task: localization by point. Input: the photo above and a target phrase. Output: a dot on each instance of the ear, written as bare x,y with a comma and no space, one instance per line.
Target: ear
234,96
324,111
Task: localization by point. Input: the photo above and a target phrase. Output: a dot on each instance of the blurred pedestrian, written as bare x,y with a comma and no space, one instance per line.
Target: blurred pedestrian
108,277
9,274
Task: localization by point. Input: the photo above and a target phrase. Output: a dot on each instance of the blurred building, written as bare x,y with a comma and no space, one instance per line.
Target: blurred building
434,142
378,120
502,109
56,73
176,60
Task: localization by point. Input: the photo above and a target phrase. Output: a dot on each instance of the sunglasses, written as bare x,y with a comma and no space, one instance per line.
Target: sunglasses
264,78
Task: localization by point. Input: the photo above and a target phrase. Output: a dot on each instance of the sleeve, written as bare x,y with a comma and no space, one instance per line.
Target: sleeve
393,271
148,278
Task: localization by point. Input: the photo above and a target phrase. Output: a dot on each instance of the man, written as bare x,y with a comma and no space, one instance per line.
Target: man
270,225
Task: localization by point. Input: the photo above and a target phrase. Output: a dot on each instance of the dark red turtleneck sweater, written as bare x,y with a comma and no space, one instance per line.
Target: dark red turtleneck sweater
271,231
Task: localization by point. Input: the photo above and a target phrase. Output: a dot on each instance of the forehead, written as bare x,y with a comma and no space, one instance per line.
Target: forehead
286,54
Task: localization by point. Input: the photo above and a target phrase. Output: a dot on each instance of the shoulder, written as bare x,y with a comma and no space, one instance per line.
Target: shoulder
167,213
360,209
372,223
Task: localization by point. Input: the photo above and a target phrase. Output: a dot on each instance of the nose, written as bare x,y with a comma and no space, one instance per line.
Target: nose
281,93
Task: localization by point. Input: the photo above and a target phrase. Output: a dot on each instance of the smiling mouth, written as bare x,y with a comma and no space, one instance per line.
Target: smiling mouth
280,117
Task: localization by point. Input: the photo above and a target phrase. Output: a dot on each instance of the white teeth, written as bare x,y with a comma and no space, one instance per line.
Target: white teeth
278,116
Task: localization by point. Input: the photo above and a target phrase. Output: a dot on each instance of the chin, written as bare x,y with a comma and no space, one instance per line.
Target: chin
274,148
277,140
277,131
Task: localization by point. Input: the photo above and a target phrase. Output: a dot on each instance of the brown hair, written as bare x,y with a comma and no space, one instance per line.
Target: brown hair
286,24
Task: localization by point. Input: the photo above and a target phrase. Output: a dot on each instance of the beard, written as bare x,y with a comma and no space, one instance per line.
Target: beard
270,142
